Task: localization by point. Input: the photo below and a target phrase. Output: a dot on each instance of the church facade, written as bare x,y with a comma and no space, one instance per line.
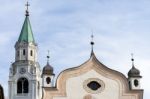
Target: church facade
91,80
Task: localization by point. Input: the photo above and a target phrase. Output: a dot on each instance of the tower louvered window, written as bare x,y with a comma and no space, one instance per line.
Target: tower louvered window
48,80
22,85
24,52
31,53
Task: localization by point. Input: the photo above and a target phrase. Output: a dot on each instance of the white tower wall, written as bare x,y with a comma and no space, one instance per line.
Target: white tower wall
134,83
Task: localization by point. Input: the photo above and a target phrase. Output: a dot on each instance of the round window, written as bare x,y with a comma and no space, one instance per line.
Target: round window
93,85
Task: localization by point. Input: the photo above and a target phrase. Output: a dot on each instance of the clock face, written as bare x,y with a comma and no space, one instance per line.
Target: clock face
22,70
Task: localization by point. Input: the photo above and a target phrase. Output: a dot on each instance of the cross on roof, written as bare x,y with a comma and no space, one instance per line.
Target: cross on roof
92,42
27,12
48,56
27,5
132,59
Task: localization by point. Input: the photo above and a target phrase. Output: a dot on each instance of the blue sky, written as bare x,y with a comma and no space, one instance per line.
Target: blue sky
120,27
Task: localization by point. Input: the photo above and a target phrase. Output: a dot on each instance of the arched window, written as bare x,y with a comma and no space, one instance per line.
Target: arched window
136,83
24,52
38,88
129,84
48,80
22,85
31,53
18,53
1,92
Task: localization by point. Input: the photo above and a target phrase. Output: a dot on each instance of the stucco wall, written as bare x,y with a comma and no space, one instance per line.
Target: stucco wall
75,89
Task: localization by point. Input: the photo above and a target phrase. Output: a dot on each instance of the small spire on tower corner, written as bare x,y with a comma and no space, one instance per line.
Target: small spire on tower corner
27,10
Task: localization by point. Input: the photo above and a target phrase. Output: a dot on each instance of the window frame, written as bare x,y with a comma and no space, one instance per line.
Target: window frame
22,86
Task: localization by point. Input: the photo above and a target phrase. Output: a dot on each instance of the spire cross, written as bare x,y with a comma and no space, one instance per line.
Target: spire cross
48,57
27,5
132,59
92,42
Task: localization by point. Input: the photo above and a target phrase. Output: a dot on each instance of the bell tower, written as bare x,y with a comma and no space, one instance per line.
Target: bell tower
48,75
24,76
134,77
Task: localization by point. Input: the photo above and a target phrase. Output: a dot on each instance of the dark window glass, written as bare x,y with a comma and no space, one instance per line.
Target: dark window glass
48,80
38,88
94,85
19,87
24,52
136,83
25,86
1,92
22,85
129,84
18,53
31,53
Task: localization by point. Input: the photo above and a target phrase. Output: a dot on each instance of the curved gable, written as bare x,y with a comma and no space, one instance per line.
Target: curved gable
72,83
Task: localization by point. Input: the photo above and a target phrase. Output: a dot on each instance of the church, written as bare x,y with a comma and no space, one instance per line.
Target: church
90,80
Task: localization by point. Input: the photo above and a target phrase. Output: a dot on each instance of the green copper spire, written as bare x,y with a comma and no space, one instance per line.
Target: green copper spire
26,34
